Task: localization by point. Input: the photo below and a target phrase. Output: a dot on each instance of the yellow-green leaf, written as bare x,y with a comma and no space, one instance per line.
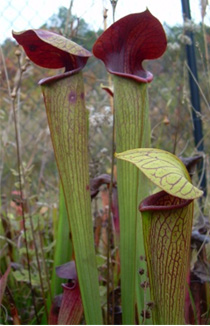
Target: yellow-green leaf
163,169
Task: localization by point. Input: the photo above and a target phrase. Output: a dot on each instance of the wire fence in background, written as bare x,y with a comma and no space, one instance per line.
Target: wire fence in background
24,14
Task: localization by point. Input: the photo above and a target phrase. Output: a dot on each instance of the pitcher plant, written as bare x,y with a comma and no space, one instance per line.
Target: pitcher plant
123,47
67,118
167,226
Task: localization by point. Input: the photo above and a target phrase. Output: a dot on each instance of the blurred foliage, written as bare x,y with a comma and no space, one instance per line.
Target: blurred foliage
73,27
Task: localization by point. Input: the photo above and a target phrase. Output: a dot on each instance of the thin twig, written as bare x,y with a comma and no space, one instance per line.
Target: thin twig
68,18
206,48
44,262
9,92
37,259
19,164
23,209
199,87
16,92
109,266
110,225
203,238
5,70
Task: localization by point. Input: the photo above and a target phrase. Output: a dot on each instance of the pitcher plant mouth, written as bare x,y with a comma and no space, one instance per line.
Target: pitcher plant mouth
128,42
162,201
51,50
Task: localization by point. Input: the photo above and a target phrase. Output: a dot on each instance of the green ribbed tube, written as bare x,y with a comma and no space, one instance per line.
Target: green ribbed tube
67,118
132,131
167,226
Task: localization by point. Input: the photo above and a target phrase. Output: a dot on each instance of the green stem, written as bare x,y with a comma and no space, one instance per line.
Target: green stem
63,249
132,131
67,118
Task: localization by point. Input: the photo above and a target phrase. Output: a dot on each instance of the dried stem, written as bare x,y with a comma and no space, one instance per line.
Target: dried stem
38,262
109,266
109,256
44,263
23,208
24,203
205,44
9,92
68,18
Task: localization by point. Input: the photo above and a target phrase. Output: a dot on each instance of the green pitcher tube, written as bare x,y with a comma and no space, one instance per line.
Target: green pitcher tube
167,226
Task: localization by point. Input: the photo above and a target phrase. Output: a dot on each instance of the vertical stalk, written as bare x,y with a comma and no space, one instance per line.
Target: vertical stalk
63,248
132,130
110,304
110,232
21,176
37,260
62,252
23,207
44,261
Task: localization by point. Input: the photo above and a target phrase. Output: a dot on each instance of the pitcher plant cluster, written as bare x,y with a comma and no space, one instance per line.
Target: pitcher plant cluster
161,232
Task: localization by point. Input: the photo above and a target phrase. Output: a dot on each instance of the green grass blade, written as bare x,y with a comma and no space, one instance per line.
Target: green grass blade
63,247
192,304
